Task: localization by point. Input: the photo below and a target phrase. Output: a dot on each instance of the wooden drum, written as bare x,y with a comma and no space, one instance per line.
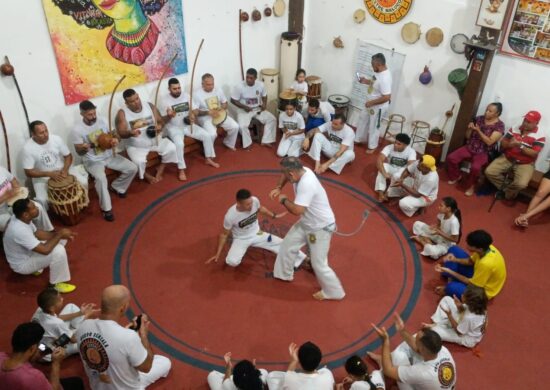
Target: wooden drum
67,199
287,98
270,78
314,87
340,104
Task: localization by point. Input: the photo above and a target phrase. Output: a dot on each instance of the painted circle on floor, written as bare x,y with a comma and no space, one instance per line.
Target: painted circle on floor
198,312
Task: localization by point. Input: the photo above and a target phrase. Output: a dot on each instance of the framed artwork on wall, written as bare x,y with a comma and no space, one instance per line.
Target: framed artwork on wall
527,33
491,13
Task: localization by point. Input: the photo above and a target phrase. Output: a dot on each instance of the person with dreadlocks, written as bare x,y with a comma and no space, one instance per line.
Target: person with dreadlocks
359,377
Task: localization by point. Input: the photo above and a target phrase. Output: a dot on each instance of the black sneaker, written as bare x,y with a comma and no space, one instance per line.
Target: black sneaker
108,216
119,194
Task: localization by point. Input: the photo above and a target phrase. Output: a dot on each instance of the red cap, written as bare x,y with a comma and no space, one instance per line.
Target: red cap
533,117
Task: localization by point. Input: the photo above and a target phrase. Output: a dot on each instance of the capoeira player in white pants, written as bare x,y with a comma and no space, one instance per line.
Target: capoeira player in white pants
241,221
140,125
211,101
45,157
315,228
250,97
391,163
29,250
378,101
292,124
418,185
176,106
335,140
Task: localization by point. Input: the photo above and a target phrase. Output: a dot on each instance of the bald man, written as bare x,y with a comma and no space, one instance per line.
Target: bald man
117,357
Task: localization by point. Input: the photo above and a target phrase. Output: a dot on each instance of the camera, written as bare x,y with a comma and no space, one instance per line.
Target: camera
44,349
138,323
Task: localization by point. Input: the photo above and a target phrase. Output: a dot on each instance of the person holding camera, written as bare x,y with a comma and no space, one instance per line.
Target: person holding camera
16,370
118,357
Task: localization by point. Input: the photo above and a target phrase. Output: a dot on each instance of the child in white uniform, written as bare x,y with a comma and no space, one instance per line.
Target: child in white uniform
244,375
300,88
359,377
292,125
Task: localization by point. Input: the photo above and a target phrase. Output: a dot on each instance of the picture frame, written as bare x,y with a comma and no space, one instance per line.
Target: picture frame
492,14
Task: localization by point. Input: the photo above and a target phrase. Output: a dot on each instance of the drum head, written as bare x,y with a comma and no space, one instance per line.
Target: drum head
359,16
279,8
67,181
220,118
338,99
313,80
286,95
434,36
269,72
410,32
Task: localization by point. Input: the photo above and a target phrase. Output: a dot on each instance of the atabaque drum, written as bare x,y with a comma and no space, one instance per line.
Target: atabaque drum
314,87
287,97
340,104
67,199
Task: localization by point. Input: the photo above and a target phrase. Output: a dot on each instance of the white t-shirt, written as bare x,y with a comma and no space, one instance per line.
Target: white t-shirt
428,184
228,384
449,226
209,100
85,134
250,96
140,121
180,105
5,185
299,87
399,159
19,241
439,373
111,350
346,136
48,157
54,327
311,194
375,377
472,326
321,380
381,86
292,123
243,224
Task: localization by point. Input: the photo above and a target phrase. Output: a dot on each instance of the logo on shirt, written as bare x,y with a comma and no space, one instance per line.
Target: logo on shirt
93,352
290,125
49,159
334,138
251,101
398,161
248,220
212,103
446,374
141,123
180,107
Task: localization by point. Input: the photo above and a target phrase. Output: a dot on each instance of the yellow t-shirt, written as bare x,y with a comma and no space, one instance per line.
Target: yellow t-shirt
489,271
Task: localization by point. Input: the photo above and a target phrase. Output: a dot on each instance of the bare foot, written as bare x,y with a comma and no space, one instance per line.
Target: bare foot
382,196
370,151
229,147
160,171
267,145
150,178
376,357
469,191
425,325
416,239
212,163
181,175
319,295
317,169
440,290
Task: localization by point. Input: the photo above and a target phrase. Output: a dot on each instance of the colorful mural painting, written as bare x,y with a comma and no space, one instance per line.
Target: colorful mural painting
98,41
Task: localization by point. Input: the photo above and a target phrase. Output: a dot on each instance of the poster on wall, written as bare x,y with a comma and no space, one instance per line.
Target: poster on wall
528,31
491,14
388,11
98,41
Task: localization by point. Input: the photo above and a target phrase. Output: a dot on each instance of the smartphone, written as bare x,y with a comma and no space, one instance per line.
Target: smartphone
44,349
62,341
358,76
138,323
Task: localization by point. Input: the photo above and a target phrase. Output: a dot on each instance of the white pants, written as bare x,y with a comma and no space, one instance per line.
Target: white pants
229,125
160,369
368,128
403,355
296,238
40,184
409,204
200,134
290,146
166,149
440,246
321,143
443,325
56,260
215,380
260,240
42,222
392,170
264,117
118,163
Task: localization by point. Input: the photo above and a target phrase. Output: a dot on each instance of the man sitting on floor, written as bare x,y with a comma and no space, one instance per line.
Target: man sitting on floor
241,221
484,268
391,163
317,113
419,362
335,140
418,185
29,250
521,148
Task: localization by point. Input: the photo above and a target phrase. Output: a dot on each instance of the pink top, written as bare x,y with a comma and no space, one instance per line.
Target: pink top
23,377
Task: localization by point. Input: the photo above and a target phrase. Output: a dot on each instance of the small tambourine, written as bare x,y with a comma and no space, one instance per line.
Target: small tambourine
151,132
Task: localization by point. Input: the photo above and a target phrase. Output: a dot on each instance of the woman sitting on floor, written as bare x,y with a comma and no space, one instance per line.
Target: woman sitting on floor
461,321
437,239
359,377
539,203
244,375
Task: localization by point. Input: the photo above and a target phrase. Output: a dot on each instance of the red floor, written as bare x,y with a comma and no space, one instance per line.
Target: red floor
203,311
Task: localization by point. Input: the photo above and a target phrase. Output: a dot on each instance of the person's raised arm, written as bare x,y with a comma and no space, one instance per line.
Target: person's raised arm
385,360
407,337
274,193
143,332
293,352
228,366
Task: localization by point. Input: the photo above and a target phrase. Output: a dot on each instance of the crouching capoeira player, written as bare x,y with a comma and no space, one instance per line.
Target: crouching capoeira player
315,228
241,221
335,140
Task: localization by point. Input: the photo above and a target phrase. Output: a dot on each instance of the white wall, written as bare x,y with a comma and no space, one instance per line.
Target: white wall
520,85
26,40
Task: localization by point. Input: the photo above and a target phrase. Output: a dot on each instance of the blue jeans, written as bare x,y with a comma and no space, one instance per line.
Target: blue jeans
312,123
456,287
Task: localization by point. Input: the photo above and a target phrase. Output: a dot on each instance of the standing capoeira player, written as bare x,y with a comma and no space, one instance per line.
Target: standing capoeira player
250,97
241,221
211,100
132,123
292,125
176,107
335,140
378,101
315,228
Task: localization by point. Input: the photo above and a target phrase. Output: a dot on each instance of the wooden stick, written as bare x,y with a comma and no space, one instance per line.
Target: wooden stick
191,86
110,113
158,86
241,45
6,140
